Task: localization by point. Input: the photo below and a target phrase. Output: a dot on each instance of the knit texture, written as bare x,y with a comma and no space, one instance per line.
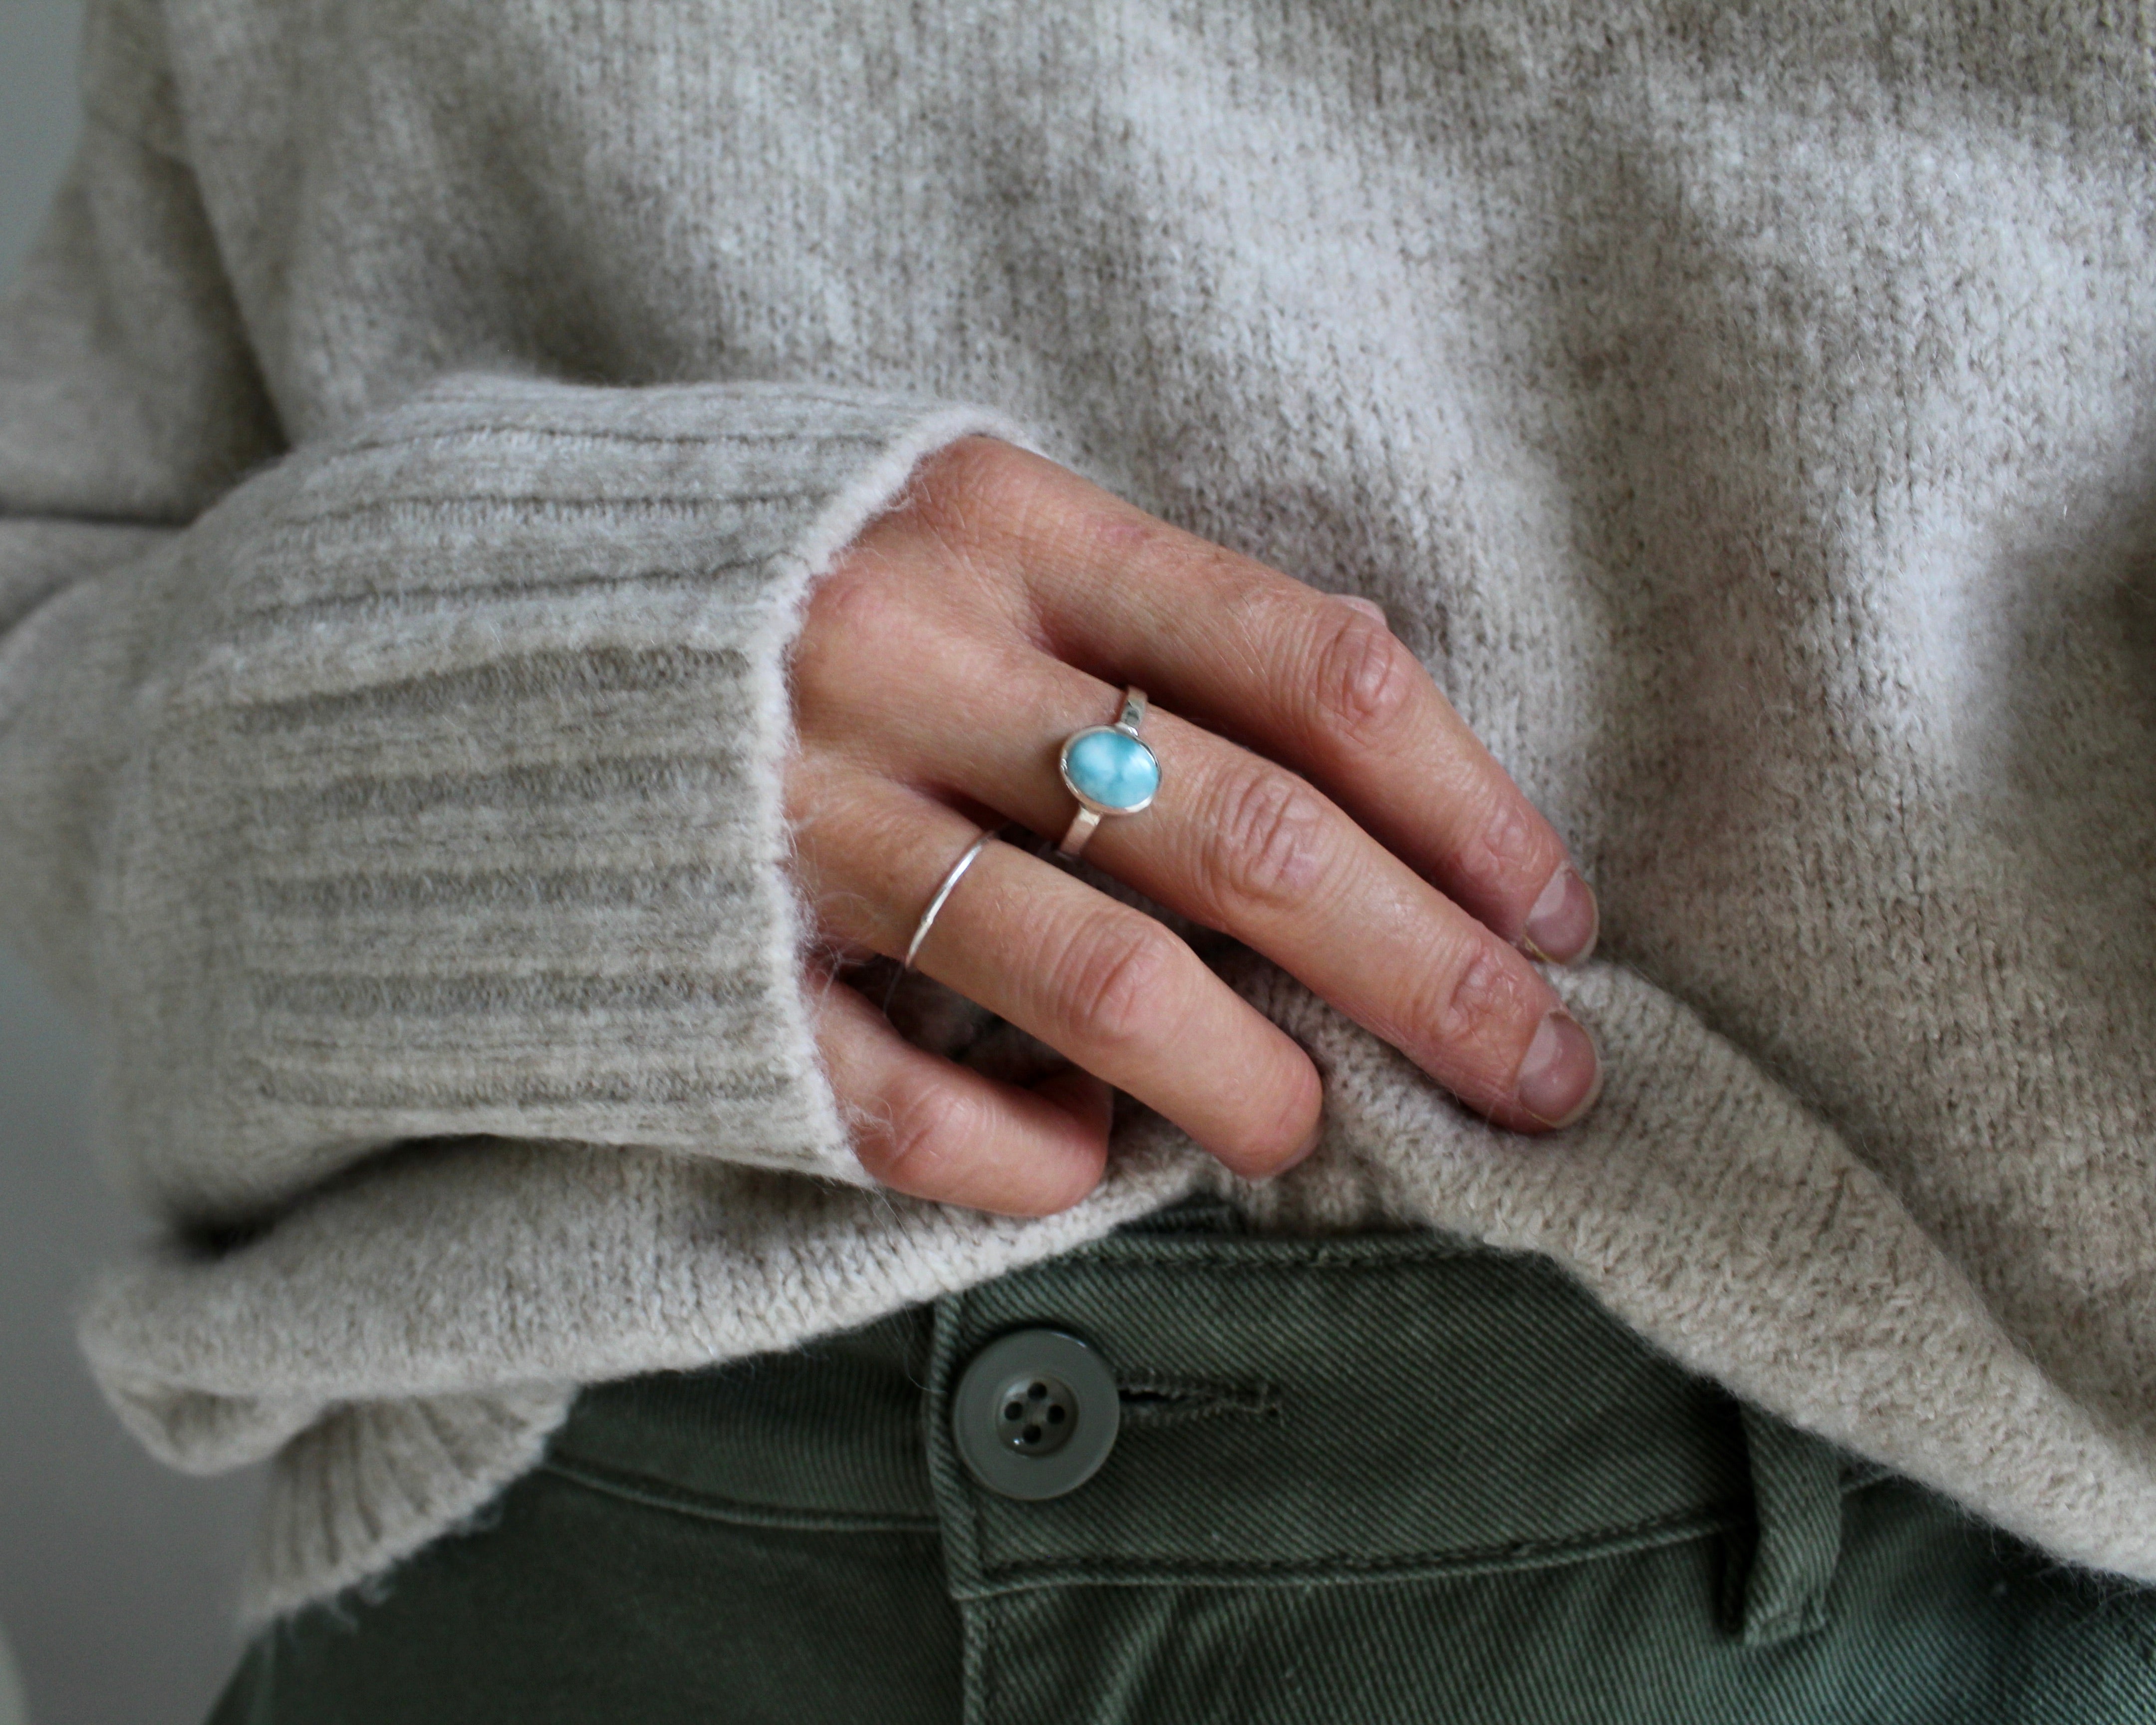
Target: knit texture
421,424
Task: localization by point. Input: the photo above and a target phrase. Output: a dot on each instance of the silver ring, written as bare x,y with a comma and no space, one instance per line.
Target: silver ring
952,876
1109,769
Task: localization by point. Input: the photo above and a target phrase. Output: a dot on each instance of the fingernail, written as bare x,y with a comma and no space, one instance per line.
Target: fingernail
1562,927
1368,608
1562,1075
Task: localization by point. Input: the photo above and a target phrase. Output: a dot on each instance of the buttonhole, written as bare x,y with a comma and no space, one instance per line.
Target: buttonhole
1152,1400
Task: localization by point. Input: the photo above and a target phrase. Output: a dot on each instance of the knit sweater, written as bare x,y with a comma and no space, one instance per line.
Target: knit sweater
421,423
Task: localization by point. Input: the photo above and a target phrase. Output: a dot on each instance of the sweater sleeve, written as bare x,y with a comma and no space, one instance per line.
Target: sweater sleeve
425,781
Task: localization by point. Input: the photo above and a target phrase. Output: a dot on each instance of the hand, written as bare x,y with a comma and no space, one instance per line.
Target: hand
1356,833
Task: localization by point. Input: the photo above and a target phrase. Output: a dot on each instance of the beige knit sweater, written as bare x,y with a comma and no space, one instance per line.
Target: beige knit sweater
422,421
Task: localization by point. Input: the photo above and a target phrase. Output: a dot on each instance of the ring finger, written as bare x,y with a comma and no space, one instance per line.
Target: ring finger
1107,986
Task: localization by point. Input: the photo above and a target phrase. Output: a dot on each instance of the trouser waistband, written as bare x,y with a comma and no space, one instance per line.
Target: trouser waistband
1291,1412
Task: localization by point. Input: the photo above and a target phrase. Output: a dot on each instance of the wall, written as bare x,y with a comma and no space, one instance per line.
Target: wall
117,1578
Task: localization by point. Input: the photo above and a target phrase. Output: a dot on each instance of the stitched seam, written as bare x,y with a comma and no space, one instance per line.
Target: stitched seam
1621,1533
428,503
657,439
1674,1530
1222,1255
503,589
653,1495
751,390
645,889
539,670
580,780
311,1082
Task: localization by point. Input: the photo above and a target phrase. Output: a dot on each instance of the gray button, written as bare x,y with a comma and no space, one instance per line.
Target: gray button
1035,1414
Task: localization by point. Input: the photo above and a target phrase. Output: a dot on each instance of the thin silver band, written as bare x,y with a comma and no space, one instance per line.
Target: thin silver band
952,877
1083,824
1079,831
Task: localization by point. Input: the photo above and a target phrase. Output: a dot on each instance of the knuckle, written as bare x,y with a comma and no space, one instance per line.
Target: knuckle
1271,845
1366,678
855,611
1123,978
1479,998
924,1131
1502,846
1508,836
854,604
976,488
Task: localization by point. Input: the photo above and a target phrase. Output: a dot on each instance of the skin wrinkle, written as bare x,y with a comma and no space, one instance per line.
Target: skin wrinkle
1365,681
1269,848
1507,844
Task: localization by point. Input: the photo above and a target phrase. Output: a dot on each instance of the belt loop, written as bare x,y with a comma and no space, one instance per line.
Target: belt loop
1796,1495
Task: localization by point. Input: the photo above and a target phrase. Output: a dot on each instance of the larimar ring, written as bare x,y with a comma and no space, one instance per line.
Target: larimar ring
1109,771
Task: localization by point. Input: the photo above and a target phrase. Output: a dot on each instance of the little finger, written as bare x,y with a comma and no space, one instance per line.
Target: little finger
929,1127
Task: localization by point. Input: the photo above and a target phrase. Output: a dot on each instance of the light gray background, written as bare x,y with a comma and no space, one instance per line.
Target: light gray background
117,1579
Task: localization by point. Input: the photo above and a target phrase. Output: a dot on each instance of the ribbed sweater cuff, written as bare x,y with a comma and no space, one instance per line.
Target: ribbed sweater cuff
462,812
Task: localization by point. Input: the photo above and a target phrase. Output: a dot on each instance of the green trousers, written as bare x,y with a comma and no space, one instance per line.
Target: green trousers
1386,1479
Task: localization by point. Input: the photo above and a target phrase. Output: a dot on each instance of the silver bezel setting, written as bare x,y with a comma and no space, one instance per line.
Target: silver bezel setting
1063,767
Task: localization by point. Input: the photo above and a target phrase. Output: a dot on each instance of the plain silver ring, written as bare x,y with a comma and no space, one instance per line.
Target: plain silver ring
952,877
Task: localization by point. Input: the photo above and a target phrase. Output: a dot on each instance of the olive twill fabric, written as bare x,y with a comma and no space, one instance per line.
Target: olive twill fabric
421,423
1391,1479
